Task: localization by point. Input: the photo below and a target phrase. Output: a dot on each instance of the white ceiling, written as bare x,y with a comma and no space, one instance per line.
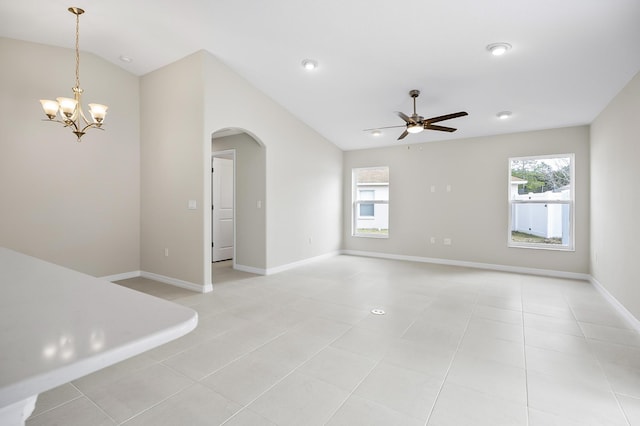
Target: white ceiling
569,57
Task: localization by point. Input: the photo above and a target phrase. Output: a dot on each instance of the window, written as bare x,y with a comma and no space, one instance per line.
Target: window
541,202
371,202
366,209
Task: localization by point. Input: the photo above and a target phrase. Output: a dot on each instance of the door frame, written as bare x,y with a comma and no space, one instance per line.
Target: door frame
229,154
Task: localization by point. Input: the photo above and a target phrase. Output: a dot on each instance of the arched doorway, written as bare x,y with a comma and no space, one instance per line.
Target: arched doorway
248,156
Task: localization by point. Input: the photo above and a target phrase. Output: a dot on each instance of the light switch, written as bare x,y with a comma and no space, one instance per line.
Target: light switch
192,205
433,188
259,204
448,188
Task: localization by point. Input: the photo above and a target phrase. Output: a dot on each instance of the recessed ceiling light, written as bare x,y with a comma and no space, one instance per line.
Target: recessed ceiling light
309,64
503,115
125,58
498,49
376,132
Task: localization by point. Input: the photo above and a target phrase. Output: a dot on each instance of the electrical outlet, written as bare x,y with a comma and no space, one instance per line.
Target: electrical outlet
166,252
447,241
432,240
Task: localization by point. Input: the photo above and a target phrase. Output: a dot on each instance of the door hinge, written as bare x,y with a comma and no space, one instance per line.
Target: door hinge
212,244
212,170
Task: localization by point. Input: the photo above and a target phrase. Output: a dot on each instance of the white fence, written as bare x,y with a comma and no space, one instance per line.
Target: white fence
544,219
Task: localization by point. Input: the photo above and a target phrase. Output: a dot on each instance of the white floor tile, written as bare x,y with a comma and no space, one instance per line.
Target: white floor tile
357,411
129,396
407,391
364,342
458,405
300,400
55,397
560,342
302,348
489,377
338,367
245,379
79,412
194,406
492,349
631,407
573,401
548,323
247,417
583,370
609,334
423,357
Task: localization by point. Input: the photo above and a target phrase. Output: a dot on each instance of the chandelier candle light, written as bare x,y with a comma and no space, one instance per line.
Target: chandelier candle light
70,109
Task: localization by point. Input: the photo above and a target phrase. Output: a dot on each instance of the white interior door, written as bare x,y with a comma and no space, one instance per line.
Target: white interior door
222,209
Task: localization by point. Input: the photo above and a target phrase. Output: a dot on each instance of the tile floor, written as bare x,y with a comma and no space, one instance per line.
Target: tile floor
456,347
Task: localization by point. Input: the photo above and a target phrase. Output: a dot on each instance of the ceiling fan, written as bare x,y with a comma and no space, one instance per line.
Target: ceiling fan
416,123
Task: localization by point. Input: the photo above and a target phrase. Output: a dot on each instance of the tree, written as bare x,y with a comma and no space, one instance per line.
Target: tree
542,174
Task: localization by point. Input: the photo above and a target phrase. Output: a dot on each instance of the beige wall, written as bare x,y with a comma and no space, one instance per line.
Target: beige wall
171,171
250,187
74,204
615,201
475,213
304,170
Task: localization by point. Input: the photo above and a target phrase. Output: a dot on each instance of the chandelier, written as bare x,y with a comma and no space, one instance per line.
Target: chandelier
70,109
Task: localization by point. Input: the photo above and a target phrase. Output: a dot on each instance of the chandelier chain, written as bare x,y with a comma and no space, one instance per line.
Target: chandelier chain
78,51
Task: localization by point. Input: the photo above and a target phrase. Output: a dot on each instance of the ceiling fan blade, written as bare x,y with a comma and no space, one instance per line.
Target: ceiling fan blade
428,126
402,136
405,117
445,117
387,127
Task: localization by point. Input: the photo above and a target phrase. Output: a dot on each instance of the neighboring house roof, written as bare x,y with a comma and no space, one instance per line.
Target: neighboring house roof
515,179
373,175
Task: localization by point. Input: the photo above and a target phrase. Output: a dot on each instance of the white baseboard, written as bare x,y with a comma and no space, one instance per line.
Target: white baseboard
250,269
477,265
123,276
288,266
628,316
161,278
178,283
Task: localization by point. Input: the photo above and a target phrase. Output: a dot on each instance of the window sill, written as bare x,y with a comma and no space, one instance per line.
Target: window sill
370,236
550,247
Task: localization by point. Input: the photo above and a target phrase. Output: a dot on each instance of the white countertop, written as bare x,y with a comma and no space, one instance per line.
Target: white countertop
57,325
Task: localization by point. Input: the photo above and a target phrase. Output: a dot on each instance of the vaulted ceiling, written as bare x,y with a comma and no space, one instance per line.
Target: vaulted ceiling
568,58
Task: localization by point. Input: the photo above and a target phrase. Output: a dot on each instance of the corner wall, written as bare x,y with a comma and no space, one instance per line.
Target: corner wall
73,204
615,204
172,238
474,214
303,169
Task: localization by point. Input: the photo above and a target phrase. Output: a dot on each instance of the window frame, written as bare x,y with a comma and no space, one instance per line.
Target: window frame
570,246
356,203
